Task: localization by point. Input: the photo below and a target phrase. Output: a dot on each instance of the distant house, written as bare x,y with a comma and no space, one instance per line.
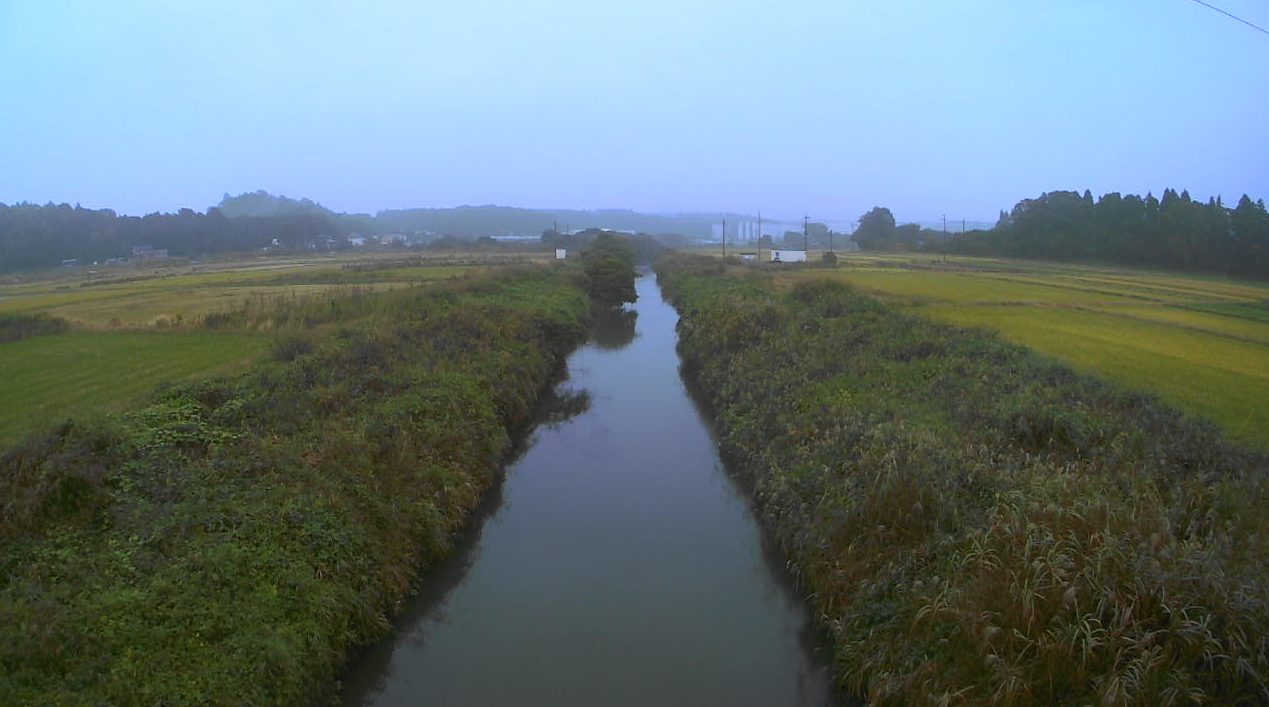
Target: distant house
149,252
561,253
748,255
70,262
788,256
357,241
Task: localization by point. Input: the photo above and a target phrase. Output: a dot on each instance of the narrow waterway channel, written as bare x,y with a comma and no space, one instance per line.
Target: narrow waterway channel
616,564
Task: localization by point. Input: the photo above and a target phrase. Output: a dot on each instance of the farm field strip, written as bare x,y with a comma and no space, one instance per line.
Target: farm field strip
143,303
1200,343
1233,327
965,287
1163,291
1119,290
1223,379
954,285
45,378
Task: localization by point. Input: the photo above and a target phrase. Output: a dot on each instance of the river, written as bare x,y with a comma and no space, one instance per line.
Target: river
616,564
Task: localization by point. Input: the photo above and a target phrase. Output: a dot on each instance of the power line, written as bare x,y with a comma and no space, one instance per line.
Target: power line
1236,17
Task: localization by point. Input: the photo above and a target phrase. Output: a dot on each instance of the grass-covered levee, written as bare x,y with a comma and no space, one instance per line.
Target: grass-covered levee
231,542
974,523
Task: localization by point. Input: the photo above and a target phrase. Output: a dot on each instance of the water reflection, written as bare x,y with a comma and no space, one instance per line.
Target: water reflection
614,328
560,405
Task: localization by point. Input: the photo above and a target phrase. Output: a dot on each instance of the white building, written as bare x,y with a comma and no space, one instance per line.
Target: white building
561,253
788,256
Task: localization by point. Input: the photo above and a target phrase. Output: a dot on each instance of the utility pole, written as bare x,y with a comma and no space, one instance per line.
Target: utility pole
945,224
760,235
806,238
962,225
724,238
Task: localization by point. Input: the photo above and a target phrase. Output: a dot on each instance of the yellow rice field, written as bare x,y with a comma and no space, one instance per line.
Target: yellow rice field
146,298
1199,342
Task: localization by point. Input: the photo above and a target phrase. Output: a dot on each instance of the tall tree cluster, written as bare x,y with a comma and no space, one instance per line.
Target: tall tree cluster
1173,232
877,231
33,236
608,265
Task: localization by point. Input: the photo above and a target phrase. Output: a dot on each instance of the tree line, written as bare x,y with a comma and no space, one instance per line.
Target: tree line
33,236
1172,232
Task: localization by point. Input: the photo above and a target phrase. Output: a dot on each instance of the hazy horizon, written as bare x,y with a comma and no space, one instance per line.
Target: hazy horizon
819,108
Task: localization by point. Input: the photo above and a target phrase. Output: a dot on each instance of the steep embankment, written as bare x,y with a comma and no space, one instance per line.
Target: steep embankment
230,542
977,524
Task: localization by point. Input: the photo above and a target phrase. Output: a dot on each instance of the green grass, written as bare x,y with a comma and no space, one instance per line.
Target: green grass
47,378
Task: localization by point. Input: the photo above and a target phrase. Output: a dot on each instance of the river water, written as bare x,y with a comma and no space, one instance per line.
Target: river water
616,564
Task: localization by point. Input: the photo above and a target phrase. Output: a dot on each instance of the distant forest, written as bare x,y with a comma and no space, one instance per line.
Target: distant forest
34,236
1173,232
473,221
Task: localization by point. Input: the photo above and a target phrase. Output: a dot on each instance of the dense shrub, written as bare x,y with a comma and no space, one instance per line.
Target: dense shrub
974,523
609,273
19,325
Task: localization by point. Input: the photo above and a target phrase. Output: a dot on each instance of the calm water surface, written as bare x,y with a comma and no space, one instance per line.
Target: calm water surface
616,564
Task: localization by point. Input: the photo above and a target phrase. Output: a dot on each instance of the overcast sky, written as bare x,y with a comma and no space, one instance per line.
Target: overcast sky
787,106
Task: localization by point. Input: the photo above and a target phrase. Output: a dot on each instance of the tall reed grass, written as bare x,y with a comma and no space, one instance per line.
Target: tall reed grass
977,524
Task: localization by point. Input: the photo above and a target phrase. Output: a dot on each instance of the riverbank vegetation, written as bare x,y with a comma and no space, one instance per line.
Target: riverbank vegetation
230,541
976,523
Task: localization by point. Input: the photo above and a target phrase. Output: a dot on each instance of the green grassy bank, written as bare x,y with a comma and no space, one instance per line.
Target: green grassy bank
977,524
231,541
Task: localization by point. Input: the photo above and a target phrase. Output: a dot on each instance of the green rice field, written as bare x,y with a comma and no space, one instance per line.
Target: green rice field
44,379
